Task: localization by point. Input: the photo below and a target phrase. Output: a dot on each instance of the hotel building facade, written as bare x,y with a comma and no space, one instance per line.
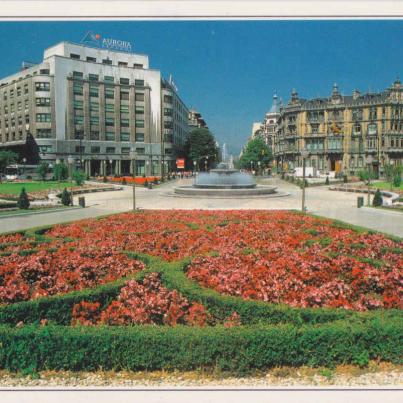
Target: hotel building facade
342,133
95,106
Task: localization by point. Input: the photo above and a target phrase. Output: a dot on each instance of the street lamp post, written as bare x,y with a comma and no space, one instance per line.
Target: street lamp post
369,162
206,163
258,170
110,164
24,160
194,167
133,158
70,162
304,155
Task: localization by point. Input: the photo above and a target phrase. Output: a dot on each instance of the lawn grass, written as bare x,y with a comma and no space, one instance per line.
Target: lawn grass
385,186
14,188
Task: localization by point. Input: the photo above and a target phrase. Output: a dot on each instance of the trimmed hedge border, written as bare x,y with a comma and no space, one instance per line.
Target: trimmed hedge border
239,349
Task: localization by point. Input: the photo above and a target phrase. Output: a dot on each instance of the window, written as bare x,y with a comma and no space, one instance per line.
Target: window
79,134
110,150
125,150
139,83
109,121
109,79
109,108
42,101
77,74
19,106
25,88
74,56
43,133
124,108
12,108
110,136
94,120
95,150
124,123
168,151
168,125
26,118
78,120
140,123
137,66
94,90
77,89
168,99
122,64
372,114
124,95
124,137
167,112
140,109
140,137
77,104
140,150
357,114
372,129
5,108
110,92
44,71
18,91
94,106
357,128
42,86
45,149
124,81
80,149
43,117
91,59
334,144
139,96
106,61
26,104
94,135
93,77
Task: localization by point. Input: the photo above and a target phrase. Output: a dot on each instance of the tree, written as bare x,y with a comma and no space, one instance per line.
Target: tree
42,170
377,199
66,197
23,201
201,144
79,177
256,150
389,174
60,171
6,158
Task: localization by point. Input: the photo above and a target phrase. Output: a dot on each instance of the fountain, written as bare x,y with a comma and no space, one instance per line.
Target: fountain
225,181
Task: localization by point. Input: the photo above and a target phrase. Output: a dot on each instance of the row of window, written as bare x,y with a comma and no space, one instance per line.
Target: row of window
79,120
110,136
78,89
106,61
108,79
94,107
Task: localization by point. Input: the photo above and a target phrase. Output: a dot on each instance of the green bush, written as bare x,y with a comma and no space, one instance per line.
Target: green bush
66,197
23,201
377,201
42,170
397,180
60,171
79,177
240,349
145,183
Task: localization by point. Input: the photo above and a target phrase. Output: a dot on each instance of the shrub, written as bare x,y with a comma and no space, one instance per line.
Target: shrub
79,177
105,179
66,197
327,182
145,183
124,182
42,170
345,180
397,180
239,349
60,172
23,201
377,199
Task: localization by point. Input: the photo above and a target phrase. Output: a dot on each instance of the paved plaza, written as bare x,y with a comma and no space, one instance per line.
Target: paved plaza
319,200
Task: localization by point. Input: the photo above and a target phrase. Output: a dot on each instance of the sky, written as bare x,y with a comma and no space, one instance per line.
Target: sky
229,70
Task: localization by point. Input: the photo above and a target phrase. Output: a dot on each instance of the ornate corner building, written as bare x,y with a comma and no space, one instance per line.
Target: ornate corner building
95,105
342,133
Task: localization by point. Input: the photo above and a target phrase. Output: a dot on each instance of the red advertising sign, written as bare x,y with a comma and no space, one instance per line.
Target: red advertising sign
180,163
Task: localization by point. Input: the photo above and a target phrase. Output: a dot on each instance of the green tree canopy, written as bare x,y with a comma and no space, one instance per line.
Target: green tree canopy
201,143
6,158
256,150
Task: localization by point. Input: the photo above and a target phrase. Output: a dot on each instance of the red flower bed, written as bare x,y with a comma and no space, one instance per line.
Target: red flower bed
146,303
59,268
275,256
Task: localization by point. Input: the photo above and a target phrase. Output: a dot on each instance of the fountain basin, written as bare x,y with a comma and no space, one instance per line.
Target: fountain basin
224,192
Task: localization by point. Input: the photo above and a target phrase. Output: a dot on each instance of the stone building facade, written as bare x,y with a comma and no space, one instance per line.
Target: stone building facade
95,106
344,134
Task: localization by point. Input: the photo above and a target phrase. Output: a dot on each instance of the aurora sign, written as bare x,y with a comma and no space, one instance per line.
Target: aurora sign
107,43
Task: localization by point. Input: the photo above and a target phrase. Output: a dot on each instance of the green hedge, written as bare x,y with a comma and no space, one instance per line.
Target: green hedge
240,349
